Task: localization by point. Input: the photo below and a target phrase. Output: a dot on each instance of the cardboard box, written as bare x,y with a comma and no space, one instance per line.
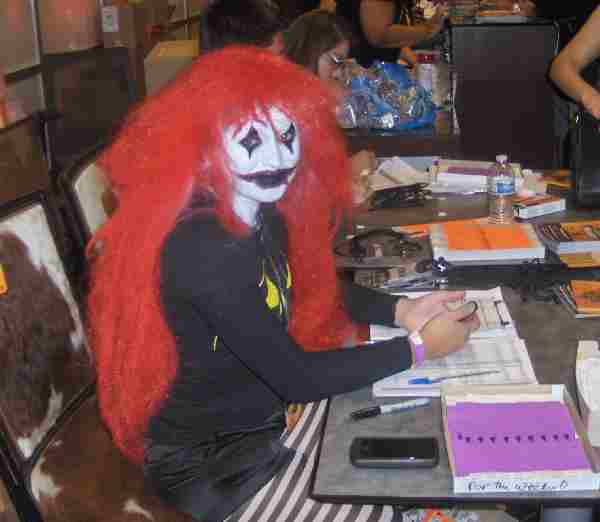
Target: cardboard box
166,60
588,361
124,26
540,481
158,10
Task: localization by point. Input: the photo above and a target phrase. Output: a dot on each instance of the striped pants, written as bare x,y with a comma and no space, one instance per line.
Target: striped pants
285,497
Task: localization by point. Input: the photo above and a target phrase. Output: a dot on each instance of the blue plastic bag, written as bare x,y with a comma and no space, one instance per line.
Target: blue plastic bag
385,97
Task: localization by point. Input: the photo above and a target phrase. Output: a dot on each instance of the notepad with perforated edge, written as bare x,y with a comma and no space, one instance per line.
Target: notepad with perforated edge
478,243
516,439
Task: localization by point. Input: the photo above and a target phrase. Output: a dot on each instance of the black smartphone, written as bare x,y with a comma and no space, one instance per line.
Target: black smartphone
394,452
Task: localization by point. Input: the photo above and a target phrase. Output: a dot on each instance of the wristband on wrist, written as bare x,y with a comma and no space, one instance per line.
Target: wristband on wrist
418,347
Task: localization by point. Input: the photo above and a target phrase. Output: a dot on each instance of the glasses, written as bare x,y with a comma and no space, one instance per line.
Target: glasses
336,59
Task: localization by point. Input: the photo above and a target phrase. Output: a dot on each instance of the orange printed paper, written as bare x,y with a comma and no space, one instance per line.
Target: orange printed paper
586,295
3,285
471,236
581,259
583,230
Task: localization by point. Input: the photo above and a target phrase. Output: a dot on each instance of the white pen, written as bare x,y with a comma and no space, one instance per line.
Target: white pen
384,409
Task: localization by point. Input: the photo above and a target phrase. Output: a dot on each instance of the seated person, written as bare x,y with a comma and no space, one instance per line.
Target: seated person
292,9
232,181
243,22
567,67
320,41
383,28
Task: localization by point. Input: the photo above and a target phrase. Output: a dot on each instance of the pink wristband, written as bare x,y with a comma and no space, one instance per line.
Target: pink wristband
418,347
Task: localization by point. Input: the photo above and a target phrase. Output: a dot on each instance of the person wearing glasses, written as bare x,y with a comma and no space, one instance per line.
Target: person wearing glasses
320,41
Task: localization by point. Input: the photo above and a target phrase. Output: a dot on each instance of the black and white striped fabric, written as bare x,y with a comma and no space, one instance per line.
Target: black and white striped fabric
285,497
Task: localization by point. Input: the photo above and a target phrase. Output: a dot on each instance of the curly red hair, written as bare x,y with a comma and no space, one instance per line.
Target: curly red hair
169,149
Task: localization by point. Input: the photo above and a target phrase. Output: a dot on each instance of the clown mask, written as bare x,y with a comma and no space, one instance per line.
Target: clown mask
262,157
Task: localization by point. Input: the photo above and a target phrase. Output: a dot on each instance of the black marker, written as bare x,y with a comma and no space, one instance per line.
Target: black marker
384,409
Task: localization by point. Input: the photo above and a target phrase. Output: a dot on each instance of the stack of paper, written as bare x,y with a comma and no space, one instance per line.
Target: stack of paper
479,243
495,347
462,176
568,238
581,297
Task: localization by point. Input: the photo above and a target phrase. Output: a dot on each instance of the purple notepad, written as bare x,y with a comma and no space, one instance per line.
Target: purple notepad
514,437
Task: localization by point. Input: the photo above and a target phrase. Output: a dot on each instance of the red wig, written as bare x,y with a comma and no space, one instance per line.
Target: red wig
171,148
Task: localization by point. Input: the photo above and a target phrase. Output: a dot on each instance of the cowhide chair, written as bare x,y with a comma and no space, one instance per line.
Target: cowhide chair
56,443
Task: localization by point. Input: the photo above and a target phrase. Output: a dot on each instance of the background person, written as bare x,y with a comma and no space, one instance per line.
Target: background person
242,22
581,51
384,28
320,41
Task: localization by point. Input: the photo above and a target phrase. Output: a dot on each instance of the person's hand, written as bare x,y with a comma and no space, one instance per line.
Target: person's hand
408,56
436,23
413,314
363,162
590,99
363,165
449,331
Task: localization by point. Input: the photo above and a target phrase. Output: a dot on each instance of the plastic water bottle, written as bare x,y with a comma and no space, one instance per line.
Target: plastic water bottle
501,191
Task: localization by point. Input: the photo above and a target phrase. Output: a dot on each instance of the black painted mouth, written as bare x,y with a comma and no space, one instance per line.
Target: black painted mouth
269,178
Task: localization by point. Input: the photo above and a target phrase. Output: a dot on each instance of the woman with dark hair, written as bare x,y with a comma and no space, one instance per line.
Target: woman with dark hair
384,27
319,40
243,22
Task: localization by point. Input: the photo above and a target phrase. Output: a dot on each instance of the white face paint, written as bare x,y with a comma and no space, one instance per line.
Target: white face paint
262,159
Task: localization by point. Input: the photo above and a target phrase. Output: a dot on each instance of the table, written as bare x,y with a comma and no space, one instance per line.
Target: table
551,335
439,139
464,206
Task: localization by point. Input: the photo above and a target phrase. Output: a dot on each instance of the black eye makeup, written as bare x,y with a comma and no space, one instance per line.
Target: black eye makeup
287,138
251,141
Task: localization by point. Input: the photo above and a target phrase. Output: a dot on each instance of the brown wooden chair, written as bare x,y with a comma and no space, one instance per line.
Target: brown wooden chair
56,442
88,193
8,512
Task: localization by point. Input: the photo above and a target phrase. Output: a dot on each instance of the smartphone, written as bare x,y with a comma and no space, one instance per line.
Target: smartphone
394,452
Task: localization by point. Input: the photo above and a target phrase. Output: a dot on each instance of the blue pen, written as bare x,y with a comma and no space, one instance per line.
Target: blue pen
428,380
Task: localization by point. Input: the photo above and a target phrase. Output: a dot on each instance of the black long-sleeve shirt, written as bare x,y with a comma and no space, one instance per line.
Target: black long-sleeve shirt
238,366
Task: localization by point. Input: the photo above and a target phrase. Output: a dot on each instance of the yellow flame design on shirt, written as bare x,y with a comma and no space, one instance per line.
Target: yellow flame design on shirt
274,299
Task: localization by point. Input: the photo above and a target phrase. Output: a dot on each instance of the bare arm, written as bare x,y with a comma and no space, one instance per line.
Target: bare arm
376,19
580,52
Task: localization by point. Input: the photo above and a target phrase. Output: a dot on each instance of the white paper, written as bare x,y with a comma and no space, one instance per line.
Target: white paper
394,172
110,19
492,312
507,355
